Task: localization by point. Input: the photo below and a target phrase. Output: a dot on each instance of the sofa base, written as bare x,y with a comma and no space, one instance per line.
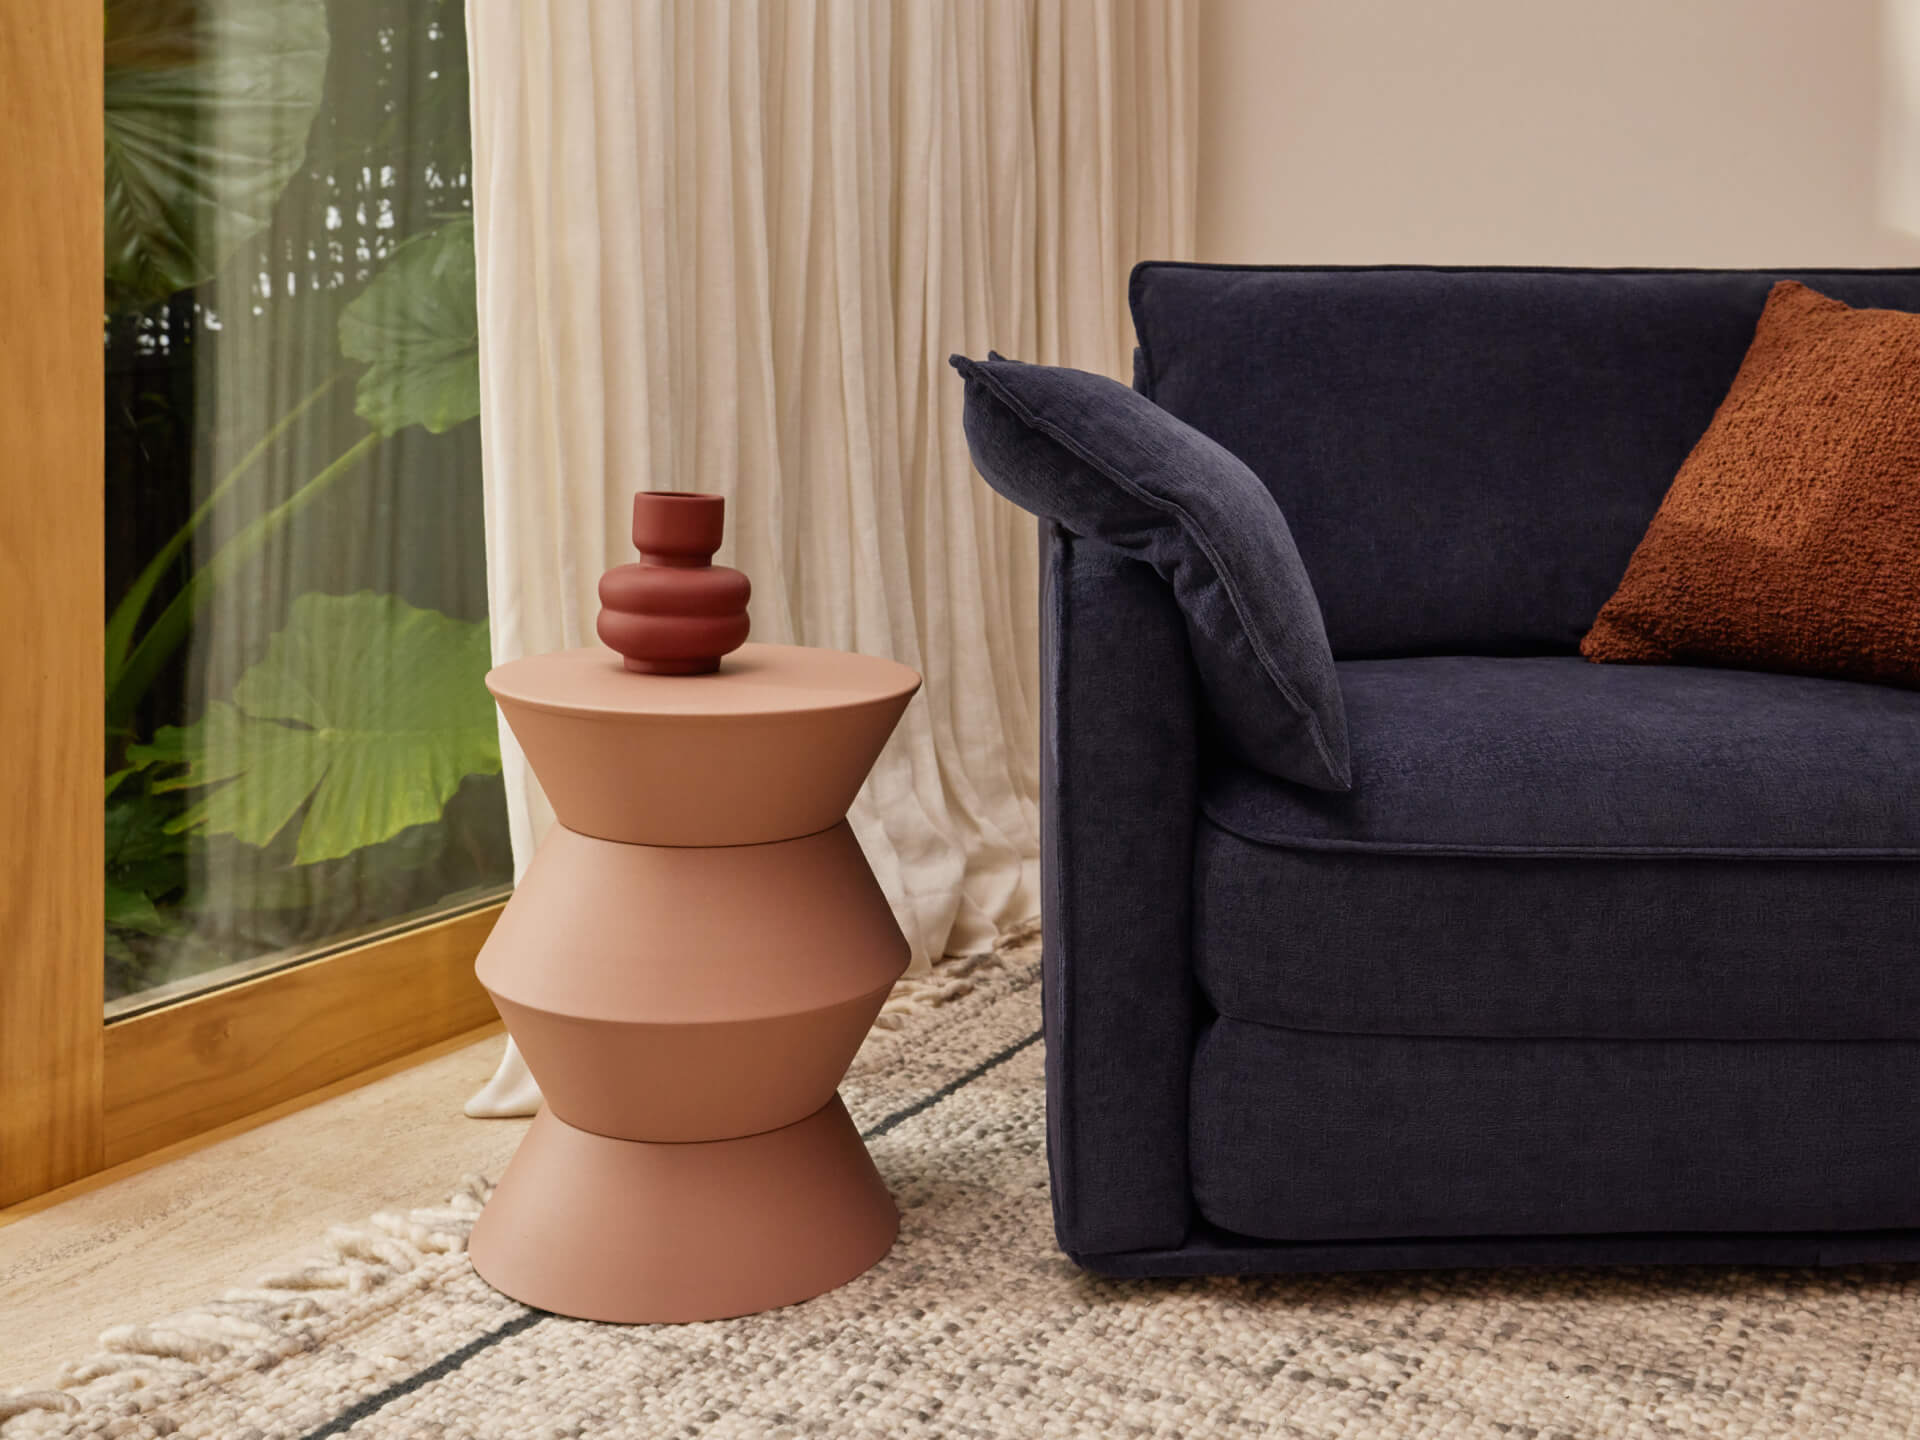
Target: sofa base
1209,1251
1297,1135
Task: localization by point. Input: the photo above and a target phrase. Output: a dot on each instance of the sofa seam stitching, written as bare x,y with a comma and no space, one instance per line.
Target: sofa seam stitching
1563,1038
1468,849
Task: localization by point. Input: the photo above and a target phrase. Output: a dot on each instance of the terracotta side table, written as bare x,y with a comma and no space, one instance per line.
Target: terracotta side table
688,966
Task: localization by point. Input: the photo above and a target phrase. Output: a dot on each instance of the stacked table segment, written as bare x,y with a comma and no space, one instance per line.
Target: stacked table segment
688,966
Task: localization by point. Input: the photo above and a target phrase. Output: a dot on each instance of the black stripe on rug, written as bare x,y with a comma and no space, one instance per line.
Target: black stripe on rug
440,1368
900,1117
453,1360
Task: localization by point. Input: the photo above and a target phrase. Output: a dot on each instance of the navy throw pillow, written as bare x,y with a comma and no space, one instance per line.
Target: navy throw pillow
1106,463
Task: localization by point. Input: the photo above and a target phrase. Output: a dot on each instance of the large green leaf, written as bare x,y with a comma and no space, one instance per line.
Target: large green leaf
207,108
364,710
145,863
130,676
134,910
417,327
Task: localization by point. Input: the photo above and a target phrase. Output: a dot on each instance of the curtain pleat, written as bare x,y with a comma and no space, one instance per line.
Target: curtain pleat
727,245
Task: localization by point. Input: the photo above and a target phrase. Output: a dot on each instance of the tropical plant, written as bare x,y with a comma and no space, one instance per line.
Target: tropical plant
206,113
363,712
356,728
207,109
144,861
417,326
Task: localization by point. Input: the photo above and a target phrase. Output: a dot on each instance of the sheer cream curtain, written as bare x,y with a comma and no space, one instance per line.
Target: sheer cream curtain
727,245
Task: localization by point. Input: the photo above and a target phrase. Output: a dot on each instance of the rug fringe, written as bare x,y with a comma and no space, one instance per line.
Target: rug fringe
272,1318
246,1327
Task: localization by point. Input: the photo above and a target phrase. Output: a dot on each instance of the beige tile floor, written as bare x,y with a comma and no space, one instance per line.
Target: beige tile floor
181,1232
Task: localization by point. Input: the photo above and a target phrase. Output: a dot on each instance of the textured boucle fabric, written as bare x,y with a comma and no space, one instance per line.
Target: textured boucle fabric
975,1326
1790,539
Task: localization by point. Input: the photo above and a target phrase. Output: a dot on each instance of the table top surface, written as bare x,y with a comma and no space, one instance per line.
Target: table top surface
754,680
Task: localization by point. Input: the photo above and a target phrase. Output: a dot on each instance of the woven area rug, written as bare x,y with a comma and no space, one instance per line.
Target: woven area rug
976,1326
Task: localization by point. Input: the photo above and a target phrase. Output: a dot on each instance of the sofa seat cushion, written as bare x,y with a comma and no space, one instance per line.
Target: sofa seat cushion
1459,945
1551,756
1550,848
1303,1136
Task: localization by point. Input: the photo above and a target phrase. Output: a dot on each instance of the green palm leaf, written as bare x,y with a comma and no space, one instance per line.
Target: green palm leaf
365,711
417,327
207,108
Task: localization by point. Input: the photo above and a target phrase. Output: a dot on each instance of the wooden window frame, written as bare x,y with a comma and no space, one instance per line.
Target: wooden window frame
77,1094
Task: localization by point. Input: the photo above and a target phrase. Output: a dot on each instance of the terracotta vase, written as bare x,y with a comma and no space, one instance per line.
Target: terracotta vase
675,612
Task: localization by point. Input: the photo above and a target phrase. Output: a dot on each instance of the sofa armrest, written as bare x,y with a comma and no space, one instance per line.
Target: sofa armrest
1120,736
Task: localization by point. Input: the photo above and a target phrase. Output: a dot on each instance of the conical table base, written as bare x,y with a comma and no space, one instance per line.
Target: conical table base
633,1231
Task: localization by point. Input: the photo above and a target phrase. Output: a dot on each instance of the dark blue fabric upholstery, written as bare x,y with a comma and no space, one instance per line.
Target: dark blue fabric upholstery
1467,458
1208,1250
1579,850
1304,1136
1119,749
1458,945
1651,997
1551,755
1105,463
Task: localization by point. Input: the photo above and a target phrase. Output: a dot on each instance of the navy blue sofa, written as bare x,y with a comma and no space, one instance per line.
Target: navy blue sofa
1594,963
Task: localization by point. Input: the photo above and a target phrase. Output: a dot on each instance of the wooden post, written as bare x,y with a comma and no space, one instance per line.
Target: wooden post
51,607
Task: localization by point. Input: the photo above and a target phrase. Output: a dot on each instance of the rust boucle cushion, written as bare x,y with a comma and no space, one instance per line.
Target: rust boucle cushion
1790,539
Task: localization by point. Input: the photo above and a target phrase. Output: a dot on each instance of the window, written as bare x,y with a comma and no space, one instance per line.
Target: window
299,815
299,749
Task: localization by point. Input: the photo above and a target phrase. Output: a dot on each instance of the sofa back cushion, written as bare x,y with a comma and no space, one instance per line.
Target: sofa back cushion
1466,457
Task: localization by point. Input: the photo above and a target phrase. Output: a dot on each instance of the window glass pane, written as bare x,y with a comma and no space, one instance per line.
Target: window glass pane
299,749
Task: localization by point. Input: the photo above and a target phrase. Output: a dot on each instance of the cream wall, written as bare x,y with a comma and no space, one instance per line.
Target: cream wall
1579,132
